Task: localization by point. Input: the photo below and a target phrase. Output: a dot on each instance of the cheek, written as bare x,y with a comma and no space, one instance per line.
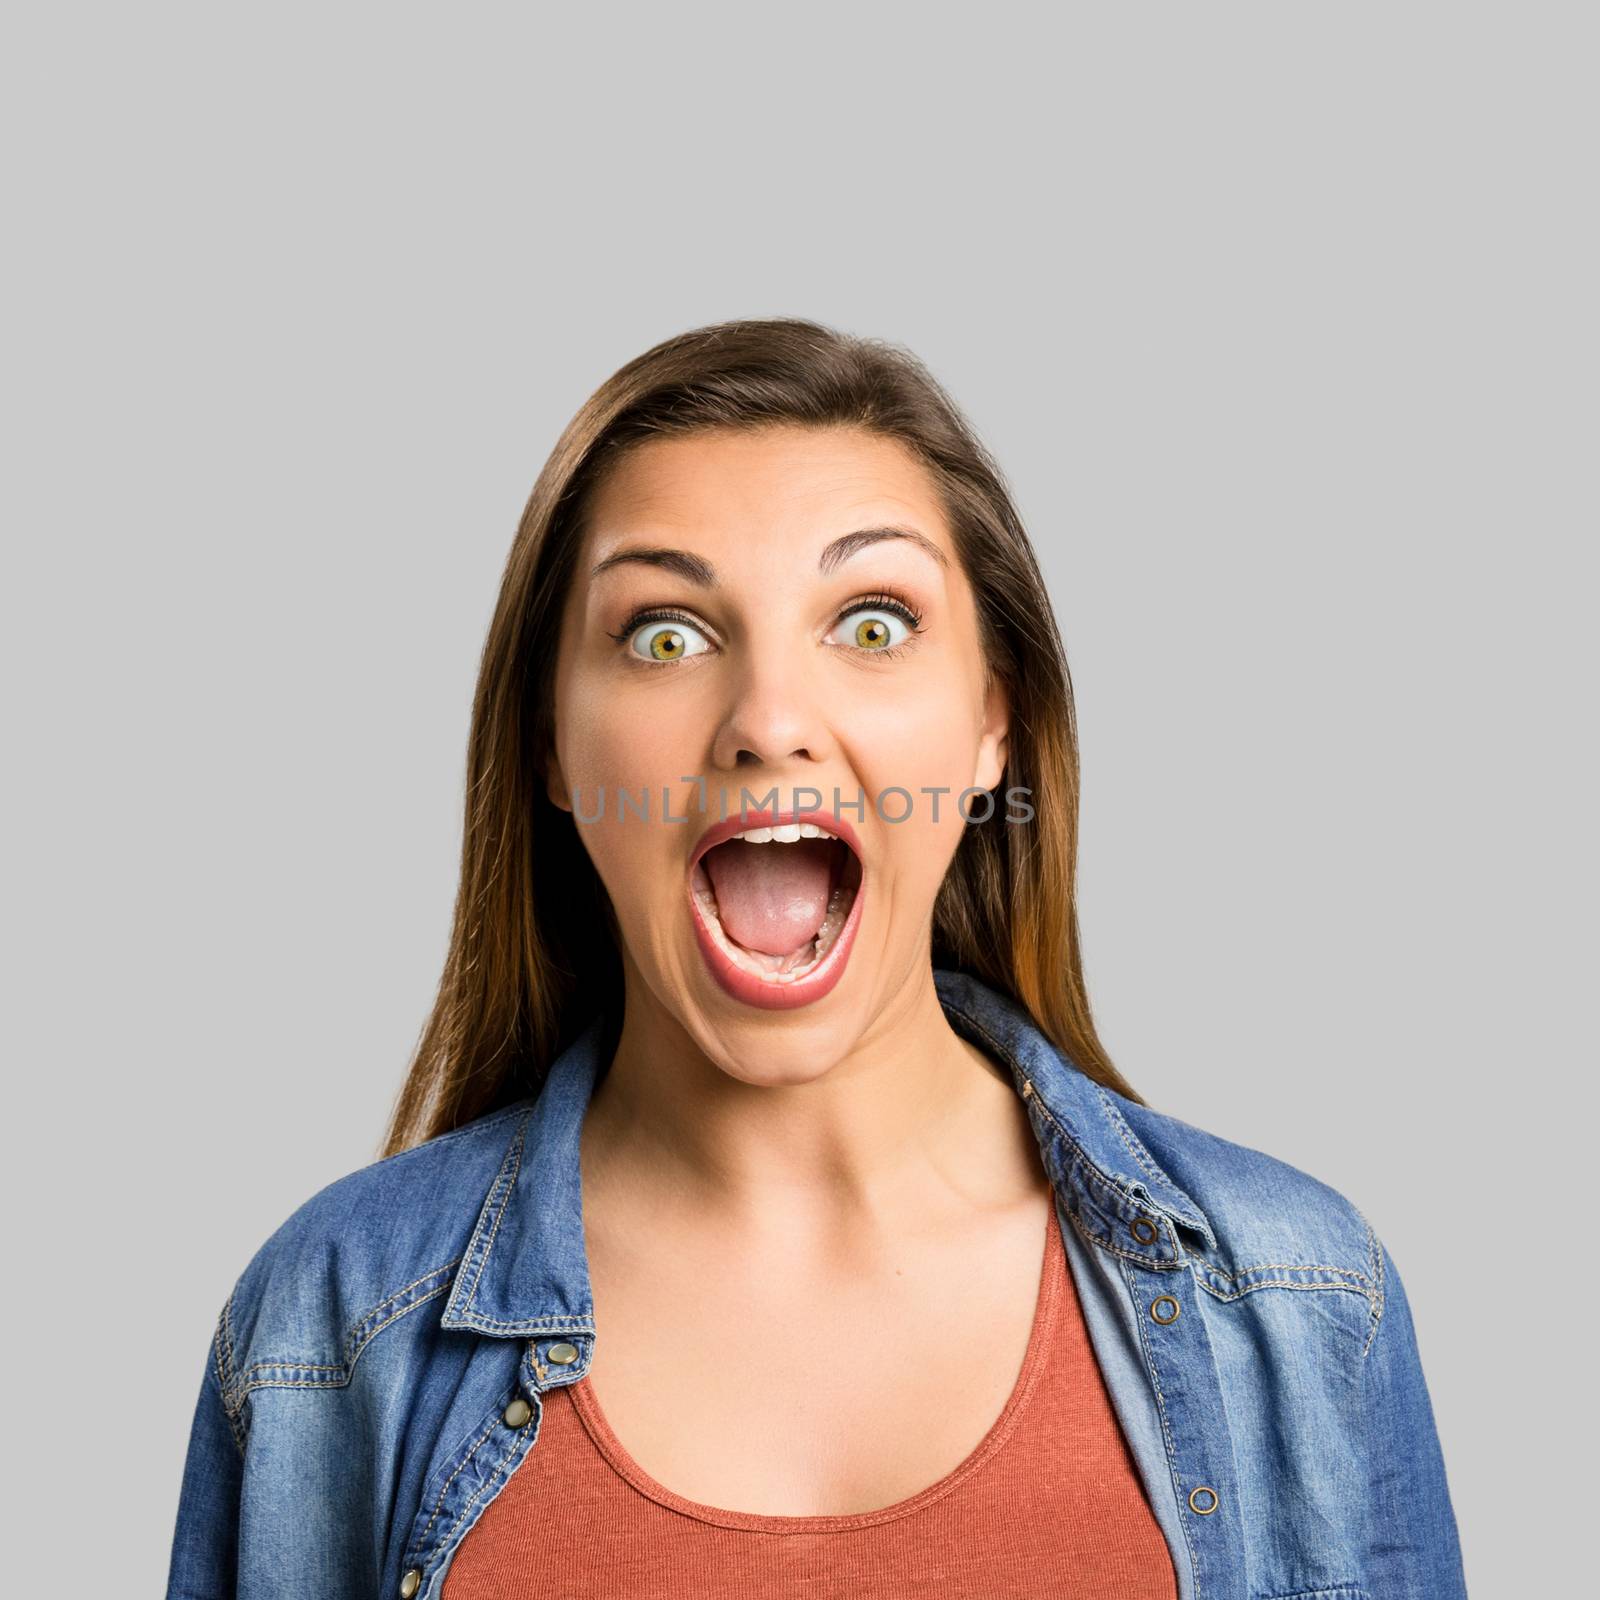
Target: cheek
614,740
611,748
914,755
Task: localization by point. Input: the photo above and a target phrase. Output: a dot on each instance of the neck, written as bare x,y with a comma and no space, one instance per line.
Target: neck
909,1125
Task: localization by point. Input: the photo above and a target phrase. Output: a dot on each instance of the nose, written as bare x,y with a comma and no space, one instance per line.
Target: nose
773,716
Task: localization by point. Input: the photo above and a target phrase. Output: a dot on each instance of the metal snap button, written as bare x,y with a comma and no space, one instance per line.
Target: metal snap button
517,1413
1199,1494
563,1355
1165,1309
410,1583
1144,1230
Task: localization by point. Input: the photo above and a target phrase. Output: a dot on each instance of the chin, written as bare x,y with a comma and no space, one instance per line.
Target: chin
774,1058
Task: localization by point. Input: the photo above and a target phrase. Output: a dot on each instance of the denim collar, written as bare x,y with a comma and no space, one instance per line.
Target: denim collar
525,1271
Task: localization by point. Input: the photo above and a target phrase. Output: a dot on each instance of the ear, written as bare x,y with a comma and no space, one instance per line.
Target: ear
993,740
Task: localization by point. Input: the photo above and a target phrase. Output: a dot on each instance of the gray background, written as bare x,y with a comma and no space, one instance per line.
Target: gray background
1280,319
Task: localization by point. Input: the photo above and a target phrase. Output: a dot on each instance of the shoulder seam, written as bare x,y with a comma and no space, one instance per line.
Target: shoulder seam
484,1124
222,1361
289,1372
1375,1257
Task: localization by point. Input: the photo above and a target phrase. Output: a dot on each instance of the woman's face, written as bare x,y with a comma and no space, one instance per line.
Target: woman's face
743,619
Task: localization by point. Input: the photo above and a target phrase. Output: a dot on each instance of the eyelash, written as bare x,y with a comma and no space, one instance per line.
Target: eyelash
871,602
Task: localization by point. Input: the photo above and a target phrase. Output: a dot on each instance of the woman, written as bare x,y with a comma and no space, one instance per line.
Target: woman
705,1253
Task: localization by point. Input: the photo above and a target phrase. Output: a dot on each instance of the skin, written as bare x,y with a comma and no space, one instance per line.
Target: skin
845,1203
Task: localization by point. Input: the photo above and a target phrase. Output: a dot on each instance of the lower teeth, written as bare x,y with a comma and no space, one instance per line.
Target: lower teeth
780,969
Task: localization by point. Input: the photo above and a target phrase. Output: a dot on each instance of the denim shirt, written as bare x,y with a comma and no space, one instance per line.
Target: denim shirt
356,1414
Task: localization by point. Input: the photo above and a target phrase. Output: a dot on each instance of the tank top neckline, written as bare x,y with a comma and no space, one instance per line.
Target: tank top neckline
1051,1285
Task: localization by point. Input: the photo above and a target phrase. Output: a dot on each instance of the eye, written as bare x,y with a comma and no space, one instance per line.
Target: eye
879,625
663,637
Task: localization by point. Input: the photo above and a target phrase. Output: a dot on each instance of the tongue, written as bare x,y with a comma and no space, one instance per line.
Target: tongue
771,897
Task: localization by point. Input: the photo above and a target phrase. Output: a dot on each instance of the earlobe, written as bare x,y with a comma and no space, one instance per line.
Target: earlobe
991,762
994,742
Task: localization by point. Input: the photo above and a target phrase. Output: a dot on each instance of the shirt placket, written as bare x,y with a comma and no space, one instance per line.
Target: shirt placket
1177,1358
464,1482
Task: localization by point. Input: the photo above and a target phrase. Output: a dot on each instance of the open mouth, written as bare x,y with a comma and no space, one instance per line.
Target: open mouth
776,905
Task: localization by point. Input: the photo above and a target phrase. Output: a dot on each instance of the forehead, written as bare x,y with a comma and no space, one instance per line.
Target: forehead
785,480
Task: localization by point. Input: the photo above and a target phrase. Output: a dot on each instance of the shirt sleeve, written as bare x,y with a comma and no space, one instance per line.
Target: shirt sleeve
1414,1551
204,1562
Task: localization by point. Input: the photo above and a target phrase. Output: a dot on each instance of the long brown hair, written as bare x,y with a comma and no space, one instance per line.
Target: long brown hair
533,951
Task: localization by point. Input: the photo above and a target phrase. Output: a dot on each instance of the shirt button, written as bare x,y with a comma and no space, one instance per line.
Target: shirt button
517,1413
563,1354
1165,1309
1203,1500
410,1583
1143,1229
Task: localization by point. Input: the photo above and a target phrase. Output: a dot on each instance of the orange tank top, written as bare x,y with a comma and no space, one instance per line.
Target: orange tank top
1049,1502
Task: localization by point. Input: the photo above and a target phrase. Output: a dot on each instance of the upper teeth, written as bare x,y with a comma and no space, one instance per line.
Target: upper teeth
785,833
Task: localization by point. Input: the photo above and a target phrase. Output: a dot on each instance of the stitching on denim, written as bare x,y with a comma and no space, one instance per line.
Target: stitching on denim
1079,1152
477,1494
1286,1266
1137,1149
1080,1160
1081,1157
1135,1146
294,1366
1343,1591
444,1488
233,1397
1100,1243
388,1322
486,1125
355,1343
505,1181
222,1360
342,1369
557,1323
1375,1255
1129,1255
1283,1283
1351,1281
291,1383
1166,1431
227,1328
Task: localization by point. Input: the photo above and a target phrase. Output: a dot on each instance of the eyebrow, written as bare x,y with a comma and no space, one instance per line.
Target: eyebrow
697,570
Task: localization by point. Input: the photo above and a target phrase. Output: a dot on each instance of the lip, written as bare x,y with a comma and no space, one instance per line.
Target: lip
733,979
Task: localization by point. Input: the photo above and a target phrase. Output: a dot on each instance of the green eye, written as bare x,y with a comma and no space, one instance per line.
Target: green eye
667,639
874,629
